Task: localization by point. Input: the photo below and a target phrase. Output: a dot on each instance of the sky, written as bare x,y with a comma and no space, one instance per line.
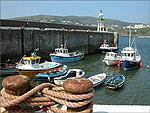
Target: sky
128,11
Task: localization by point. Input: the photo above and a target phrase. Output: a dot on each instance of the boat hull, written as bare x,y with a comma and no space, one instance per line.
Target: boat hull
66,59
129,64
32,73
50,78
97,79
110,62
102,50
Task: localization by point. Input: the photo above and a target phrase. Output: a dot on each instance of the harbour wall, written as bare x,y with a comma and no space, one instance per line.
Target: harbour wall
22,41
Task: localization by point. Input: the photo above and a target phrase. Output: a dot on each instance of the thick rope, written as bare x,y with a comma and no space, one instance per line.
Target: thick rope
48,94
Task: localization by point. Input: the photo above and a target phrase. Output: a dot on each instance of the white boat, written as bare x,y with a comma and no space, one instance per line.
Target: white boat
71,73
130,57
111,58
97,79
105,47
30,66
62,55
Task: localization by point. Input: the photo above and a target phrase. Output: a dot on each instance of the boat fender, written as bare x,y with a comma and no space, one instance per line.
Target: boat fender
147,66
140,64
77,85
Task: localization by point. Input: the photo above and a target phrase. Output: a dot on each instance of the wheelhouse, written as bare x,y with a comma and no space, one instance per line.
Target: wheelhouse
61,50
111,54
30,60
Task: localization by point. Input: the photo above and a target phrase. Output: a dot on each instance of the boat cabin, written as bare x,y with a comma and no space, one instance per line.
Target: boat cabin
105,45
111,54
30,60
129,52
61,50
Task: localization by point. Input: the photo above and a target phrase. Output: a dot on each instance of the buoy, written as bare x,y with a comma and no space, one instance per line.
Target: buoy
114,62
140,64
147,66
118,62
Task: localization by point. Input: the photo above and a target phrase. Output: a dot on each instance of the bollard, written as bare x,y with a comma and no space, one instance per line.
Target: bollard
16,85
77,85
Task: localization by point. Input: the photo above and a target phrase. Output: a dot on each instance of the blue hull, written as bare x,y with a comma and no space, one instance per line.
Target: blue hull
52,75
65,59
129,64
115,82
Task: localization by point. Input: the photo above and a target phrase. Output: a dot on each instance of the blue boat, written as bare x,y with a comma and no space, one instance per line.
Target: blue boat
62,55
49,76
130,57
115,82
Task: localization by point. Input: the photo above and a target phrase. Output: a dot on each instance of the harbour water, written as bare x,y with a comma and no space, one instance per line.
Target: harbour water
136,90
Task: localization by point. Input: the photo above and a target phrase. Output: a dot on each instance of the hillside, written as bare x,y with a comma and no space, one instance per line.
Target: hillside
77,20
87,21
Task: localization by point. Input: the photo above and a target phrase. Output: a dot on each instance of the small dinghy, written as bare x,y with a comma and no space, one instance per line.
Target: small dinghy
97,79
71,73
115,82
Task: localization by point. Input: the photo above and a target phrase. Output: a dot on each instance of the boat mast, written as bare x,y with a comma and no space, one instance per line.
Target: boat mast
130,36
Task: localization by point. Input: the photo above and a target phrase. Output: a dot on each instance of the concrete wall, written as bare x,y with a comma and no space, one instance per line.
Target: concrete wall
14,45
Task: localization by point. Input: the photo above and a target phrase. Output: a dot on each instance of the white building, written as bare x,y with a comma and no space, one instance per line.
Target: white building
138,26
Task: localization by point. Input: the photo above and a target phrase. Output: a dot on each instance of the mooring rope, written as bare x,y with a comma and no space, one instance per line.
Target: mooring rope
47,94
143,80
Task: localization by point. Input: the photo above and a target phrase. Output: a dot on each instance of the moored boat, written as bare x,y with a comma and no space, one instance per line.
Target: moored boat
111,58
115,82
105,47
71,73
97,79
62,55
130,57
49,76
30,66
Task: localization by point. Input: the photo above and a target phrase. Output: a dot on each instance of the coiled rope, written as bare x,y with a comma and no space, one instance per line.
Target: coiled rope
45,95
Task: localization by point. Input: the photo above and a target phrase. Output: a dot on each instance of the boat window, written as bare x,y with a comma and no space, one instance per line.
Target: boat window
107,54
131,55
37,61
26,62
33,61
128,55
80,73
60,51
66,51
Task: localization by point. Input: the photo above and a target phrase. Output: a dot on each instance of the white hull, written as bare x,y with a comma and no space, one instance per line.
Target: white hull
60,80
110,62
97,79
